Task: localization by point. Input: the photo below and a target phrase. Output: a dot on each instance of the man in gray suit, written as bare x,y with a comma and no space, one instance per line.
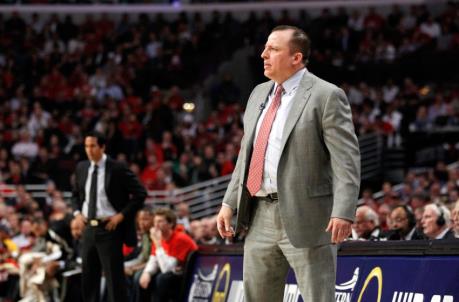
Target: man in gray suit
296,181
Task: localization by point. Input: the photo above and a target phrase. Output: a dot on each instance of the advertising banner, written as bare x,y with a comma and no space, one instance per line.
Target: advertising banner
397,279
359,279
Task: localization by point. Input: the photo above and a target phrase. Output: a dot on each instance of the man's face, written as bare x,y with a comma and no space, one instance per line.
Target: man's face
212,227
160,223
429,223
197,229
182,210
399,220
76,230
145,221
455,215
93,150
277,57
39,229
26,227
362,226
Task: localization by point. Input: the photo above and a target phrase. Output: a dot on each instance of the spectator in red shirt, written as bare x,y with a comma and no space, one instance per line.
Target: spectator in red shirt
148,175
373,20
168,146
169,253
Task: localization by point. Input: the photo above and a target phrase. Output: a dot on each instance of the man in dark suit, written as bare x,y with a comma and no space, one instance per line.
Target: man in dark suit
366,224
106,197
403,225
436,222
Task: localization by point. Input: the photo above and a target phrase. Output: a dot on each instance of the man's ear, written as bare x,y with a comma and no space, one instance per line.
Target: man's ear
297,58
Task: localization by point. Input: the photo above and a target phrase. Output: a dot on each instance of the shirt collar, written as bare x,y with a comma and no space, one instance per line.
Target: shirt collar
293,82
101,162
376,232
410,234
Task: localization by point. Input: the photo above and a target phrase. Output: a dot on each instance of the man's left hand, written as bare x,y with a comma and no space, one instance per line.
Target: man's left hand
156,236
113,221
340,229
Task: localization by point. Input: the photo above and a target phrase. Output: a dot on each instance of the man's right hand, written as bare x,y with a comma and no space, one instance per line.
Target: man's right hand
80,221
224,222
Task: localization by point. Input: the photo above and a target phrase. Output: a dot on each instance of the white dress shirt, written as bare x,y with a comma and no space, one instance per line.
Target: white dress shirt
410,234
161,261
273,152
104,207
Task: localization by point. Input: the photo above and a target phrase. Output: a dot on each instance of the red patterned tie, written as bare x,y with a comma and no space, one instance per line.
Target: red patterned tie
258,156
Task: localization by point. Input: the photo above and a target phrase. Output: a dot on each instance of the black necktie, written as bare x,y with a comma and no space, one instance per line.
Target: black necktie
93,195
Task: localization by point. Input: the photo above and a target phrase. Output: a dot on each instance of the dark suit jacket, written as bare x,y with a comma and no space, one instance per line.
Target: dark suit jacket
395,235
449,235
124,192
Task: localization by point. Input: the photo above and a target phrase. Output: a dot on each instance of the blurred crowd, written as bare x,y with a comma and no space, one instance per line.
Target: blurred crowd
172,2
60,79
424,206
40,258
117,1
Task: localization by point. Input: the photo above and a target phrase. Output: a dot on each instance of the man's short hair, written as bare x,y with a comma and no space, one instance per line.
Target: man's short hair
5,229
100,137
369,214
441,211
168,214
299,42
147,209
39,221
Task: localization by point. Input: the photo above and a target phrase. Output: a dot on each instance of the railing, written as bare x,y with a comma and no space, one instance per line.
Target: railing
371,146
204,199
36,191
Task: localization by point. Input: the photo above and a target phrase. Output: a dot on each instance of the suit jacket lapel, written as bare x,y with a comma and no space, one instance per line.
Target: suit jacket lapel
108,173
299,102
82,178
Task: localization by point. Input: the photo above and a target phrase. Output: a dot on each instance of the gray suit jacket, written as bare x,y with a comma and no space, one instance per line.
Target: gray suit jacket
319,169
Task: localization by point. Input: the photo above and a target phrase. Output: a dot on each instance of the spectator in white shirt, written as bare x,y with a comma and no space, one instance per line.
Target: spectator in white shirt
456,219
436,222
431,28
39,119
25,147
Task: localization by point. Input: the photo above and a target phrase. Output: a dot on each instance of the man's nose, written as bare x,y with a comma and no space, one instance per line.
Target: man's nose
264,54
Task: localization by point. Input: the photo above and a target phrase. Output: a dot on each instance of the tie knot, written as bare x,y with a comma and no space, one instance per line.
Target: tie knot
95,167
279,89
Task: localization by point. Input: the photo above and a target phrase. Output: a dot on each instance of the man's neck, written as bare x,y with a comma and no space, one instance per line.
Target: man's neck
294,71
98,161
